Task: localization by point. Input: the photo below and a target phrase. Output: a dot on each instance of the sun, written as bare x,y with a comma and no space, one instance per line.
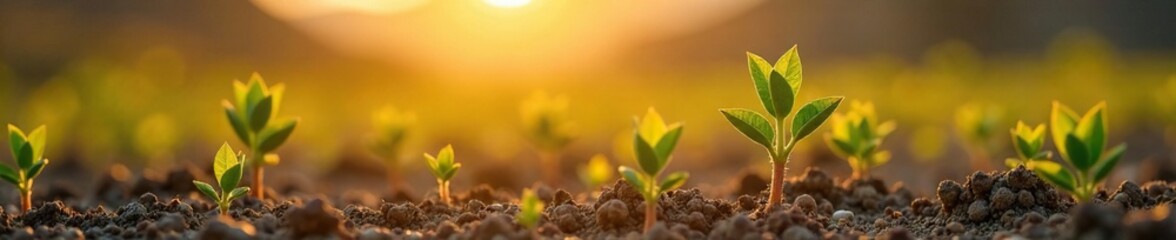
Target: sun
508,3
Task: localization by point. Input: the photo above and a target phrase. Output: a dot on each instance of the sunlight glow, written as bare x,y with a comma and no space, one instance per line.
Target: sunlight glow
508,3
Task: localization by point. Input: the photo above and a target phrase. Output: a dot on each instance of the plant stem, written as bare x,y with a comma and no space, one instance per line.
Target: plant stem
650,213
26,200
259,188
549,159
443,190
779,157
223,207
775,191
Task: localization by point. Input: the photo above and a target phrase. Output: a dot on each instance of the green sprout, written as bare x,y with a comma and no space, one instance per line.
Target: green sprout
1080,141
530,210
597,172
227,168
256,124
29,152
392,128
977,127
653,142
546,122
857,136
1029,143
443,168
777,86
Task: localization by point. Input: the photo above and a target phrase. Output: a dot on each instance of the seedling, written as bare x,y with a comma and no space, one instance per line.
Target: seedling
227,168
257,126
597,172
976,125
857,135
443,168
777,86
1080,141
653,142
530,210
28,151
547,125
1029,143
392,128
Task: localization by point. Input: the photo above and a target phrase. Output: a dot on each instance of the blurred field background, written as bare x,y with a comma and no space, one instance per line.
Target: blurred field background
139,83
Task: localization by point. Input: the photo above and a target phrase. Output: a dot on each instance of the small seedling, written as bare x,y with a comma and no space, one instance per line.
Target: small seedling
1080,141
227,168
547,125
443,168
256,125
530,210
653,142
28,151
597,172
777,86
391,128
976,125
857,136
1029,143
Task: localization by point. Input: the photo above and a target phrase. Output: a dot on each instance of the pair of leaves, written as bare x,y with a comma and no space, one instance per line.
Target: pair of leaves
530,209
443,165
28,151
654,141
253,123
648,184
777,85
1028,141
227,169
1080,141
757,128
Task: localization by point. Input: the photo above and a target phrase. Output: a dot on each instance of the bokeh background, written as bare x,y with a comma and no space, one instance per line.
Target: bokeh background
138,84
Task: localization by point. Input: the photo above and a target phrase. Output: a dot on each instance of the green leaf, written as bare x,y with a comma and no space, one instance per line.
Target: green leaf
238,124
207,190
789,66
841,147
257,91
666,145
9,175
646,157
276,91
224,159
1053,173
1104,167
673,181
1062,121
231,177
259,114
1091,129
451,172
1079,155
237,193
16,139
445,156
240,91
751,124
1024,149
782,95
434,165
37,139
634,178
36,169
25,158
760,69
270,138
812,115
652,127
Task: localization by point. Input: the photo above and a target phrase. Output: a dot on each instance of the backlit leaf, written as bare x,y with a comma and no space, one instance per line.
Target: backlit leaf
665,146
812,115
646,157
753,125
9,175
36,169
207,190
1053,173
231,177
37,139
225,158
239,126
673,181
783,96
259,114
237,193
272,137
1091,129
25,157
634,178
760,71
1062,121
16,139
789,66
1103,168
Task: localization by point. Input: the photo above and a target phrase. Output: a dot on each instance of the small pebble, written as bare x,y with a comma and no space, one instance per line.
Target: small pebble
842,214
955,227
806,203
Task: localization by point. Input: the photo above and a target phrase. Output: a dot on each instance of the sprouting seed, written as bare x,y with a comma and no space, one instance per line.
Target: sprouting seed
227,168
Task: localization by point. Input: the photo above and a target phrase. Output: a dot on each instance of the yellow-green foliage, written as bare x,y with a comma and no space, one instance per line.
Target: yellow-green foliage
1081,142
391,129
546,121
597,172
443,167
1029,143
227,168
530,210
653,142
857,136
255,122
29,153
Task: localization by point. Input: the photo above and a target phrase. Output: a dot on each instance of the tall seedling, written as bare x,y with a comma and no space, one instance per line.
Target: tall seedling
28,151
857,137
256,124
547,125
653,142
777,86
1080,141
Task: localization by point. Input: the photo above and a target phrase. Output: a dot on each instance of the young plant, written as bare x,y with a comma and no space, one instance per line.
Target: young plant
597,172
256,125
1080,141
777,86
443,168
546,122
653,142
530,210
857,135
227,168
392,128
28,151
1029,143
976,125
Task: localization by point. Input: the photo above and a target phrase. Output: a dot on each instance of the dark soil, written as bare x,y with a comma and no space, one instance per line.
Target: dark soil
1001,205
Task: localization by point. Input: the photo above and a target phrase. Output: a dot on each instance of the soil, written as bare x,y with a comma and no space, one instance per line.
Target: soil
1005,204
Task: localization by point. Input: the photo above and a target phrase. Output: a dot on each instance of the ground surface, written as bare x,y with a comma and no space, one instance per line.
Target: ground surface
1005,204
